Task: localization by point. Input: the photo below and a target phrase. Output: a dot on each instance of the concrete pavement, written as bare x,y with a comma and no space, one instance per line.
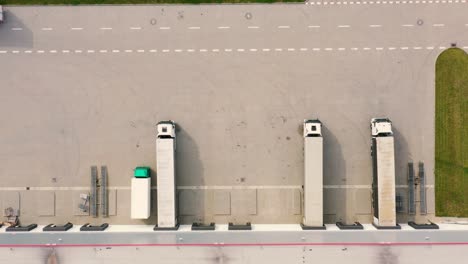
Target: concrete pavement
85,86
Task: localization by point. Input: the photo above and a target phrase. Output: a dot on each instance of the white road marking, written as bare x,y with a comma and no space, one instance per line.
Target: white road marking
165,28
106,28
404,48
265,49
40,51
407,25
15,51
341,49
103,51
303,49
52,51
391,48
203,50
140,51
291,49
193,27
344,26
128,51
253,50
115,51
153,50
47,29
3,51
379,48
65,51
253,27
316,49
313,26
430,48
375,26
177,50
366,48
355,49
442,47
438,25
16,29
90,51
28,51
328,49
224,27
278,49
284,27
240,50
417,48
135,28
227,50
166,50
76,28
215,50
78,51
465,47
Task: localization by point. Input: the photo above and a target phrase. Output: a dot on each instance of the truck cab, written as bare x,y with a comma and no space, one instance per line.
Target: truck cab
312,128
381,127
166,129
1,14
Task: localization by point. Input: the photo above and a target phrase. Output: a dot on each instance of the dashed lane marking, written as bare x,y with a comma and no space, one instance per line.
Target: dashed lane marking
47,29
313,26
164,28
375,26
16,29
106,28
407,25
135,28
284,27
76,28
344,26
316,49
193,27
438,25
224,27
253,27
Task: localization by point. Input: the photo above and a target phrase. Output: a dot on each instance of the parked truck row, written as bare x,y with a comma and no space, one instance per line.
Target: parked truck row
383,183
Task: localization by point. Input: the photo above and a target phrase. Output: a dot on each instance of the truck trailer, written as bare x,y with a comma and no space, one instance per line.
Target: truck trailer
383,164
166,176
313,175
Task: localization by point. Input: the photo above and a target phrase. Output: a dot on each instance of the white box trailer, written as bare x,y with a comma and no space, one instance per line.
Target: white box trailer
165,175
383,163
141,198
313,174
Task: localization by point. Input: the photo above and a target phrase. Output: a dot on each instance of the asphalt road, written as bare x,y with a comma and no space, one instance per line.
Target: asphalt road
85,86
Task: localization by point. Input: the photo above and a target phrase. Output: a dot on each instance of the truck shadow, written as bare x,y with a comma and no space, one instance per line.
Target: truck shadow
14,33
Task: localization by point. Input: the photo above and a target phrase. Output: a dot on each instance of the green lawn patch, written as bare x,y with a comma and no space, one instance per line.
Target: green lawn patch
130,2
451,145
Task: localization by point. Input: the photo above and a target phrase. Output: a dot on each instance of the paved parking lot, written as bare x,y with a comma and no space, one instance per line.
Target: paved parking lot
85,86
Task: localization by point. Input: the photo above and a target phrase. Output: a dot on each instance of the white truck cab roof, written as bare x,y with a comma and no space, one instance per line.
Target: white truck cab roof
166,129
1,14
312,128
381,127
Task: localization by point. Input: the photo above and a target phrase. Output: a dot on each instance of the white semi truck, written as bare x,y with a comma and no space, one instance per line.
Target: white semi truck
166,178
313,175
383,164
1,14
